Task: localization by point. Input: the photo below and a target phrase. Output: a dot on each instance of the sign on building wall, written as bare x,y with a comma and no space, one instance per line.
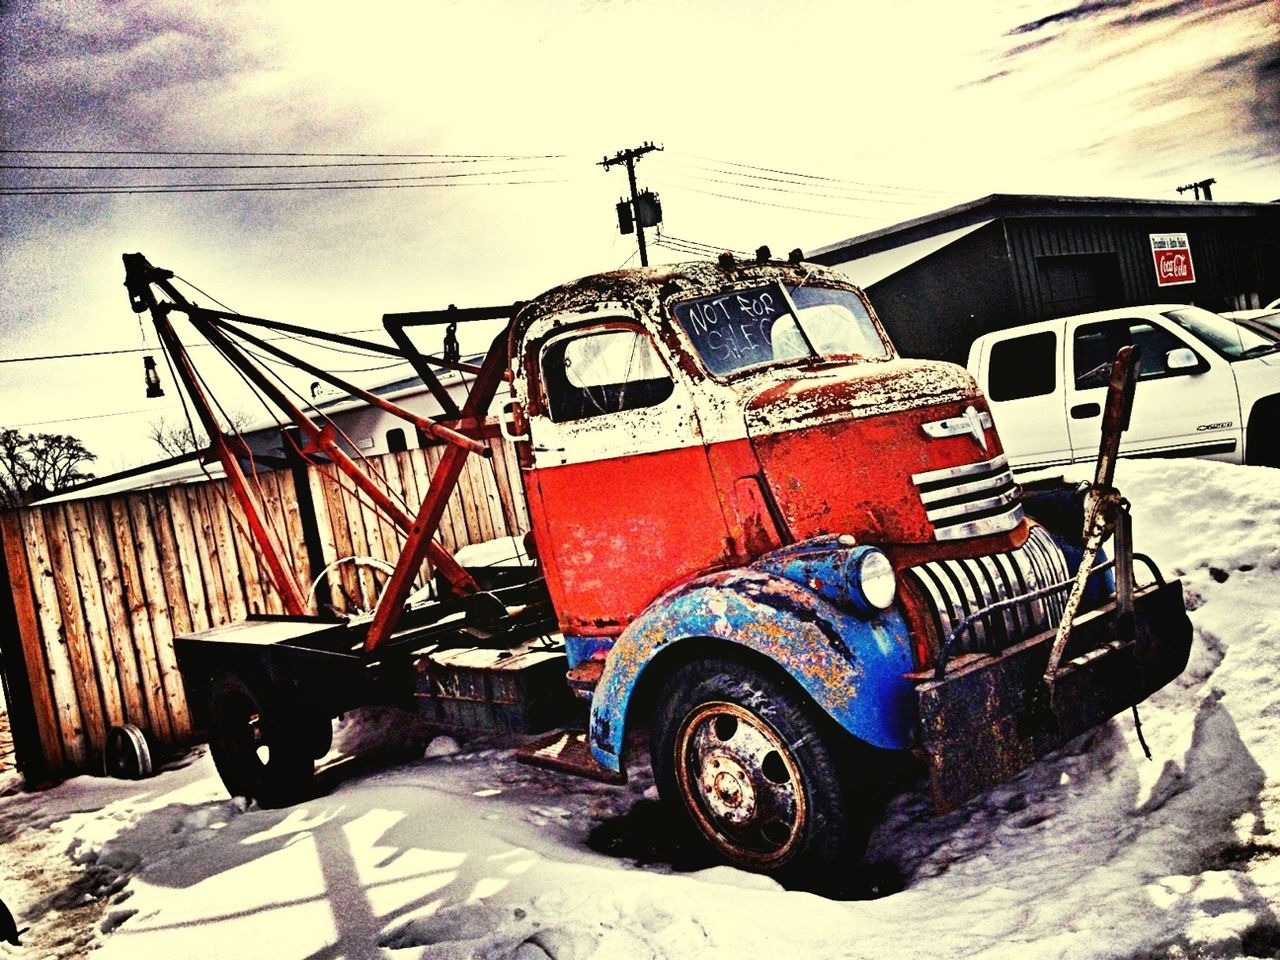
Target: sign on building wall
1172,255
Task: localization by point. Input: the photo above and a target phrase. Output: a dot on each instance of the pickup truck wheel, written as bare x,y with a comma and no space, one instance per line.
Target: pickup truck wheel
1262,437
757,773
260,749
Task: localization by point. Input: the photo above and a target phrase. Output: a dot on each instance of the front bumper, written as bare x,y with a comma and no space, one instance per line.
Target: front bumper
988,716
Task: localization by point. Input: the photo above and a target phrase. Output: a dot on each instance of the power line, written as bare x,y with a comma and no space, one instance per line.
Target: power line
781,206
688,251
74,356
693,246
105,187
106,353
196,188
442,158
812,176
228,166
95,416
801,192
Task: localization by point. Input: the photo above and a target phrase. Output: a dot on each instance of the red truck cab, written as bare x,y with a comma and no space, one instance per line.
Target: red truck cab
674,431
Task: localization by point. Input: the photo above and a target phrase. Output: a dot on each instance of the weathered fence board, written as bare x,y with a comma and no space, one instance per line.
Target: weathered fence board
80,655
174,592
101,586
143,638
44,713
114,613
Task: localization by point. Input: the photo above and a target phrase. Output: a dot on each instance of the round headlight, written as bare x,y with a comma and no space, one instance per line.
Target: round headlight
876,580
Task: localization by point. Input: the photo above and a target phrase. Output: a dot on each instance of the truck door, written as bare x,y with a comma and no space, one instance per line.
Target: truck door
1023,385
620,489
1192,412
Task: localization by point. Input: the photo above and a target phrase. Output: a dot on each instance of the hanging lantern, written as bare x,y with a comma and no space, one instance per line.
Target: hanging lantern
152,376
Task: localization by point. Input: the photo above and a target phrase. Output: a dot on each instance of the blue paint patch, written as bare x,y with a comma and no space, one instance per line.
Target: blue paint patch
579,650
853,668
827,566
1099,588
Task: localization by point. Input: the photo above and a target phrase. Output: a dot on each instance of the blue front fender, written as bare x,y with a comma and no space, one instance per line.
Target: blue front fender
852,668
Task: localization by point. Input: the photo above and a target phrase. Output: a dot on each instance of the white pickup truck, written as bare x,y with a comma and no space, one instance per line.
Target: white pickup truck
1207,387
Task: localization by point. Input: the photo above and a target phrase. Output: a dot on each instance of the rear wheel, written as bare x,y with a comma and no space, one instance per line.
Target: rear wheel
758,773
1262,438
261,749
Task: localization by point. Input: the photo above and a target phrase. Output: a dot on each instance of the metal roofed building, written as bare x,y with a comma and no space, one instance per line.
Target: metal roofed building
939,281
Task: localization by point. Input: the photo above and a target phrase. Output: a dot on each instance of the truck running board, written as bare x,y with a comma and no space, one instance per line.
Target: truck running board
990,717
568,752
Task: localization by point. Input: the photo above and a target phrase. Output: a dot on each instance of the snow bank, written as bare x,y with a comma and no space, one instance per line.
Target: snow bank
1093,853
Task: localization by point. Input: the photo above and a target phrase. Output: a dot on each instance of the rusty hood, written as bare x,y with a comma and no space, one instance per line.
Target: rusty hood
842,449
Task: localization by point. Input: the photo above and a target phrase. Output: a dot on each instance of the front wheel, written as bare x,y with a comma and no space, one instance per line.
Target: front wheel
758,773
260,746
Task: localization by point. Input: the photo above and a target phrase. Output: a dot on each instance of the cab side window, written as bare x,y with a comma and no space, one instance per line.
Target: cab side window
1096,345
1155,343
602,371
1023,367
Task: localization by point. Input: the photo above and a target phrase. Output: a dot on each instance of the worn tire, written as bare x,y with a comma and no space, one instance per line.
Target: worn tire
758,774
1262,436
261,749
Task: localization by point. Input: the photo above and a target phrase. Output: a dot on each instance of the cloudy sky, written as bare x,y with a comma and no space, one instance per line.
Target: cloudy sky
413,155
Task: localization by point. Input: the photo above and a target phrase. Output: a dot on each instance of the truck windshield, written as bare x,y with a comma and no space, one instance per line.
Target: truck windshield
758,326
1230,339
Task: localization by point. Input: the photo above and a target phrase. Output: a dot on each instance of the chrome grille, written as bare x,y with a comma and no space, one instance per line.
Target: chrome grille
974,500
958,589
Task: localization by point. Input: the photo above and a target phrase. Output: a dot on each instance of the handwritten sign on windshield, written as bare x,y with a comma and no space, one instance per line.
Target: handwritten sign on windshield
734,330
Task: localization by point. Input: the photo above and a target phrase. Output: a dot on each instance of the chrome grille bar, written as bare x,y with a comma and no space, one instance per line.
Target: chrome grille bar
961,510
998,483
972,500
996,463
1000,523
960,589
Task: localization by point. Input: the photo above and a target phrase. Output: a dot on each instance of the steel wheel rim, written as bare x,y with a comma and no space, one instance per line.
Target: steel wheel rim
242,732
741,783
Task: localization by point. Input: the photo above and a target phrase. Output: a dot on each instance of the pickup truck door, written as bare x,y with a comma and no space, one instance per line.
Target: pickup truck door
1193,412
620,489
1022,377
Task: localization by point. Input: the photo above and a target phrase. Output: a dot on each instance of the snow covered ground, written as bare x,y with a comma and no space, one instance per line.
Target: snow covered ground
1093,853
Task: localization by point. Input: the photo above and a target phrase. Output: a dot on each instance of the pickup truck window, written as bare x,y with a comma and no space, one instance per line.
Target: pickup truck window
1229,339
745,329
600,371
1096,345
1023,367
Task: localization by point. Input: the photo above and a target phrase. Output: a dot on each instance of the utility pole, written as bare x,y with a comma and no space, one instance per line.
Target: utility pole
1198,186
643,210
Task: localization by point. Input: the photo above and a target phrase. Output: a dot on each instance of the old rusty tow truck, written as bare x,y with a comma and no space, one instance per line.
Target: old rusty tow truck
757,533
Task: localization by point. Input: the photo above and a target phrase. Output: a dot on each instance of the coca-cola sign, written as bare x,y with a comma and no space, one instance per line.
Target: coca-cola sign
1172,255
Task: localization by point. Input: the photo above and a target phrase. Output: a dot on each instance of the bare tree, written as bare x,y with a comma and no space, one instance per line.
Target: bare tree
176,440
34,465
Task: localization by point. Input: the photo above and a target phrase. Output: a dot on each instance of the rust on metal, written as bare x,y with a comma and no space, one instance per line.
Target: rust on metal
1103,504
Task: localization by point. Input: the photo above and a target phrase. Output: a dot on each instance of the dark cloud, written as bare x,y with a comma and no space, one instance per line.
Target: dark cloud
1078,12
1122,11
83,73
1232,103
153,75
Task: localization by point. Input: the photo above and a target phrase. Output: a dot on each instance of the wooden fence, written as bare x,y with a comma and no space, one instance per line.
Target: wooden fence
99,587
